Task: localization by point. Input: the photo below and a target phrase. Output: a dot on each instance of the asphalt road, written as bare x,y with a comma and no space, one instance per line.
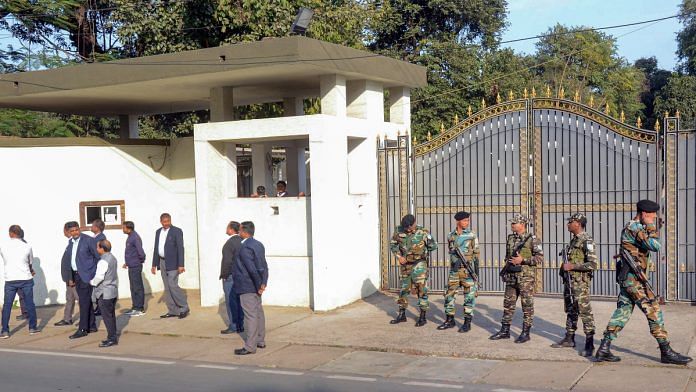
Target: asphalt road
38,371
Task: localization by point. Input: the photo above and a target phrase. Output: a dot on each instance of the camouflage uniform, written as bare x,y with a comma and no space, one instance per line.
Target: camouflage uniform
467,242
581,253
414,247
639,240
522,284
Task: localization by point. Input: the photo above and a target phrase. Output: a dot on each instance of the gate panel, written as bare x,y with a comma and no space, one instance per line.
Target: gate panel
680,177
475,166
393,159
588,162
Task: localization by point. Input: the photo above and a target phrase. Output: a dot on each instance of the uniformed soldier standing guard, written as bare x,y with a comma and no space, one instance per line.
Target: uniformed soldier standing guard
522,256
411,245
464,239
639,237
580,264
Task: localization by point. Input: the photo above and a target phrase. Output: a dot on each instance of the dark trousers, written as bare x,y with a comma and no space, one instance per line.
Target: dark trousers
11,289
108,309
84,298
22,307
235,314
137,289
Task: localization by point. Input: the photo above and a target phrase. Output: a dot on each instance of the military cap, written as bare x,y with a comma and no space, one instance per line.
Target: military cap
408,221
647,206
519,218
578,216
461,215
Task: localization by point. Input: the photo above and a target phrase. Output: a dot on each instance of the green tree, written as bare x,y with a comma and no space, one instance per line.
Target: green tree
588,62
655,80
679,95
686,38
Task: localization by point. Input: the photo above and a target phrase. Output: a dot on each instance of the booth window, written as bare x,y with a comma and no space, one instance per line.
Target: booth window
112,212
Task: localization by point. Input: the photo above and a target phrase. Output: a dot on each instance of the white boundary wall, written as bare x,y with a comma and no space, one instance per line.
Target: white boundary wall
43,184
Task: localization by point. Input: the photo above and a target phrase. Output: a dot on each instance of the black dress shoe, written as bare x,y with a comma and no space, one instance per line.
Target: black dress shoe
242,351
184,314
81,333
93,330
227,331
21,317
63,323
108,343
261,345
168,315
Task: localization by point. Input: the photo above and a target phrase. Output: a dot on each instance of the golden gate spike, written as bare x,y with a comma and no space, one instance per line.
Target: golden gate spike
468,111
442,127
525,93
511,96
548,91
591,100
483,103
639,122
576,98
456,119
607,111
429,136
533,92
657,125
561,93
497,99
623,116
677,114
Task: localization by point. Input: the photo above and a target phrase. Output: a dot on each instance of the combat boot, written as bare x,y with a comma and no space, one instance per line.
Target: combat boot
604,352
568,341
421,319
667,355
449,323
589,345
504,333
524,336
400,318
466,327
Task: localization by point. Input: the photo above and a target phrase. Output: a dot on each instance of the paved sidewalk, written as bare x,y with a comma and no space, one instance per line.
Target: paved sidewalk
358,340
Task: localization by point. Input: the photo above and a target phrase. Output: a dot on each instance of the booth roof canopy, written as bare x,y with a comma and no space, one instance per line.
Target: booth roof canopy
262,71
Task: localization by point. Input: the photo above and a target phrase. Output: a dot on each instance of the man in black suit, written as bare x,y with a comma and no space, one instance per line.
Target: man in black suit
83,264
250,279
229,254
169,258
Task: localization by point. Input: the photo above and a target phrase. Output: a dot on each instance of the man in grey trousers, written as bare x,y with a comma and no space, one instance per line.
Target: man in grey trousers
105,292
70,291
169,258
250,278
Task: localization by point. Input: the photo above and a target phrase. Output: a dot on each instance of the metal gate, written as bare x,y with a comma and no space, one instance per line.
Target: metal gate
546,158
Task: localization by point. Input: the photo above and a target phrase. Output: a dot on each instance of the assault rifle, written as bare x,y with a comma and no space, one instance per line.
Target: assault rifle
469,268
626,257
515,251
567,279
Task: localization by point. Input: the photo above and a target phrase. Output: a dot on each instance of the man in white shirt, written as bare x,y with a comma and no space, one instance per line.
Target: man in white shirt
17,256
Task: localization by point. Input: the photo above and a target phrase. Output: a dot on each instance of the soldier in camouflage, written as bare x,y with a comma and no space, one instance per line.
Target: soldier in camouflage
639,237
581,262
465,239
411,245
522,256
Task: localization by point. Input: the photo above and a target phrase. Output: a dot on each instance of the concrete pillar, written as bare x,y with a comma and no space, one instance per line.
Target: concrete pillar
231,153
129,127
221,104
365,99
293,107
262,174
295,168
400,105
333,95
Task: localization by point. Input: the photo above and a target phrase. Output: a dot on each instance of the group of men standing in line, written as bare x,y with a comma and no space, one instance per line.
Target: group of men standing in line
411,245
89,270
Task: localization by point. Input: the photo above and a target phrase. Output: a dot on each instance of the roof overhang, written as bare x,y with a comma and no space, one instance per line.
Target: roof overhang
263,71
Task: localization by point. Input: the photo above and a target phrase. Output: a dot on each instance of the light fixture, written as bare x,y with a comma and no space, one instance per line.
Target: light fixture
302,20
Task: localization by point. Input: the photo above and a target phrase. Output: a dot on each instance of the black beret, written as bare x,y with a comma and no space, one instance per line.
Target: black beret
647,206
408,221
461,215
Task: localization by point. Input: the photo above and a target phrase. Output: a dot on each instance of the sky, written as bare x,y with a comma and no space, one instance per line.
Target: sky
534,17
